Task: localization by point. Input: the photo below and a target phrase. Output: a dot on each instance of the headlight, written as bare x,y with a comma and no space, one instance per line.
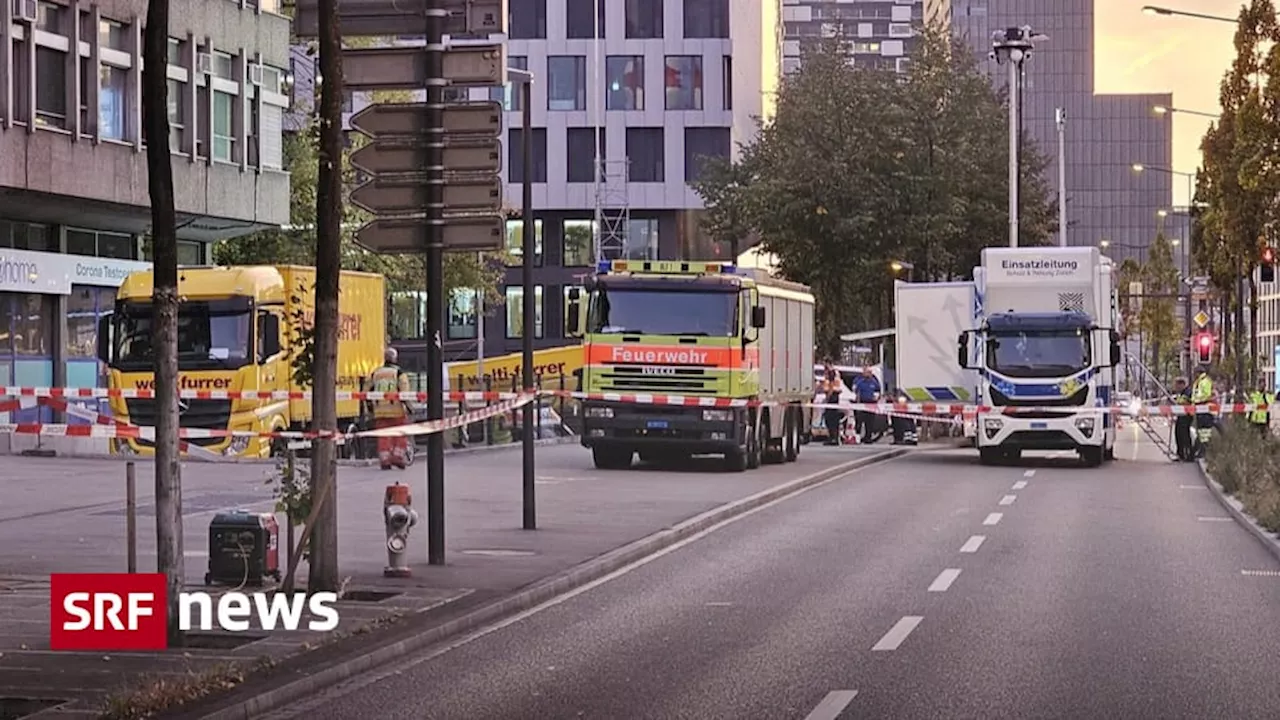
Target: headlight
599,412
903,399
992,423
717,415
1085,423
237,446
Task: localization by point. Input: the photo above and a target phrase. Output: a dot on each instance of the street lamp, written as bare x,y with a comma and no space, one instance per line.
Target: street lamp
1156,10
1191,196
1166,110
529,246
899,265
1014,46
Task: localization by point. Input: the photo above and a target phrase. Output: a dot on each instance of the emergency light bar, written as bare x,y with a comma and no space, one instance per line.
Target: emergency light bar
667,267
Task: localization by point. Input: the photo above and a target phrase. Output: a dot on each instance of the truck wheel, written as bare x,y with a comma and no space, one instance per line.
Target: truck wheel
1091,456
772,451
735,460
755,452
1109,454
791,439
611,458
989,456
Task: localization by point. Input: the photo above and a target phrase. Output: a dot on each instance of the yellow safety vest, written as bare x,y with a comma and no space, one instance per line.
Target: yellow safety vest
388,378
1259,417
1203,390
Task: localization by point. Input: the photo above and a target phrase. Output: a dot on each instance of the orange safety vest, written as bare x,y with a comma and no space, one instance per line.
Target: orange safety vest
388,378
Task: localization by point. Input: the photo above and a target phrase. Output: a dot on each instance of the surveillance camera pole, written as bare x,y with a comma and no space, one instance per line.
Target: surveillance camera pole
1013,47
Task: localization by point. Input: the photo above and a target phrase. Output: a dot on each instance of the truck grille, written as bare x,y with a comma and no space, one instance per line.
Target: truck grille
1075,400
205,414
634,379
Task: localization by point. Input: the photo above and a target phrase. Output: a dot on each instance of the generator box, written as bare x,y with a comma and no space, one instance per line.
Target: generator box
244,548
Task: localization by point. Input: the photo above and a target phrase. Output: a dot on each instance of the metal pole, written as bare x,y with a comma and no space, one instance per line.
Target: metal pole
131,513
1062,177
436,15
1013,152
526,337
479,330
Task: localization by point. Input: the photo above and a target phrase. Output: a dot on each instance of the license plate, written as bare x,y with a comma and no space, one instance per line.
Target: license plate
657,424
1039,426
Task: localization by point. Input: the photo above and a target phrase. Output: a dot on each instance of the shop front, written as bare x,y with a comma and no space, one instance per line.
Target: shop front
49,309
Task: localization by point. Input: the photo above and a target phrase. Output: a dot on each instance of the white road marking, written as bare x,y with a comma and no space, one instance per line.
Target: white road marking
1008,499
1020,485
1214,519
1261,573
832,705
897,633
944,580
972,544
719,604
1192,487
993,518
1029,473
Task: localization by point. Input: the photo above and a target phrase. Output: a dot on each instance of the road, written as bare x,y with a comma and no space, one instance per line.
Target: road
928,587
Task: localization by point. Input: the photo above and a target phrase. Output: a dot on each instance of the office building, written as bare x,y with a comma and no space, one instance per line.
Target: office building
1107,201
74,201
880,33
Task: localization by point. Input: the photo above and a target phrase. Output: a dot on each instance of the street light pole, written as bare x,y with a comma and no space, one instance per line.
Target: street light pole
1062,176
529,246
1013,46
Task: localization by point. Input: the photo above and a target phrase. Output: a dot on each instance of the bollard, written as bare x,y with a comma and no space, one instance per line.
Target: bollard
131,513
399,516
488,422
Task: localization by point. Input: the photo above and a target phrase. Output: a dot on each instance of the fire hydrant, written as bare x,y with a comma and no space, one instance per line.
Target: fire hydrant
398,515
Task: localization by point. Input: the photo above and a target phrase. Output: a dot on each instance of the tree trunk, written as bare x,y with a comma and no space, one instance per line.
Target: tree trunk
164,248
324,465
1253,333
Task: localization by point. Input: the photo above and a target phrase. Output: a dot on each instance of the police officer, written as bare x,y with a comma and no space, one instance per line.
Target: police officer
1182,423
392,451
904,426
1261,419
1201,394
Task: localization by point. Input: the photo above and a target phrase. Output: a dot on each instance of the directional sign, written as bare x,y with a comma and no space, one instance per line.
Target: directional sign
466,233
390,197
405,68
1201,318
376,18
409,120
388,159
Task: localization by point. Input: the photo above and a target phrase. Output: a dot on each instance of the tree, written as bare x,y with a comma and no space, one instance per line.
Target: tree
1158,319
164,236
862,166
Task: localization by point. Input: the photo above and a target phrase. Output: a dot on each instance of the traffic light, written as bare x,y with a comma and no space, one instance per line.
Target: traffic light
1268,264
1204,347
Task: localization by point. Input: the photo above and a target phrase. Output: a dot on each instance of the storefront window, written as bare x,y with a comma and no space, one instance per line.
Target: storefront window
25,236
462,314
406,315
26,329
579,242
515,311
515,242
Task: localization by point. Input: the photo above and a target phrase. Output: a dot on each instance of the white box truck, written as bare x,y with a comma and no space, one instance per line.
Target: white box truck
929,317
1046,340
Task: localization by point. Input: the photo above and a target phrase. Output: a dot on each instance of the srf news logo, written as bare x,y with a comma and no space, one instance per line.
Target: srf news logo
129,611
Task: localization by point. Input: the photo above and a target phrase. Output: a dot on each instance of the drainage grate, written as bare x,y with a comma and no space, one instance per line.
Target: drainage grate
12,708
500,553
218,641
368,595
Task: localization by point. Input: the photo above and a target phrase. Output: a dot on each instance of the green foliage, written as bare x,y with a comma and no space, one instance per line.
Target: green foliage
1247,465
861,166
1161,328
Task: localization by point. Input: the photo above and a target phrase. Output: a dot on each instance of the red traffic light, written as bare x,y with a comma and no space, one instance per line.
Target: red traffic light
1206,341
1268,255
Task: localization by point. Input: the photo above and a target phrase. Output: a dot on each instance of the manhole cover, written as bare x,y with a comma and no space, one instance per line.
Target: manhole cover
368,595
499,553
12,708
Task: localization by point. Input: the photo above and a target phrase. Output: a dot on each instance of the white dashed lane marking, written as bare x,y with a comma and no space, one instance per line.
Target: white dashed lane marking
1214,519
832,705
1029,473
972,544
993,518
1192,487
1020,485
1008,499
897,633
944,580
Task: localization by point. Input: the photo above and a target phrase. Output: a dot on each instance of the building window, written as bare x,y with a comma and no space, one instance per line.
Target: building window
113,107
177,52
51,87
624,82
462,314
584,146
101,244
21,69
223,127
644,19
26,236
177,114
84,306
515,311
727,83
515,242
579,22
645,153
189,253
642,239
706,18
509,94
569,331
566,82
515,155
407,313
527,20
111,34
684,82
701,144
579,242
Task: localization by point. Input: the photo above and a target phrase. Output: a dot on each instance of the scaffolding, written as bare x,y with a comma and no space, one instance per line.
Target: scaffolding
613,213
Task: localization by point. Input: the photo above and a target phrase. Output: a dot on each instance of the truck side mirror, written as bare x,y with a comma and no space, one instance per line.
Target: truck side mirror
104,338
573,316
270,335
1115,348
962,350
757,317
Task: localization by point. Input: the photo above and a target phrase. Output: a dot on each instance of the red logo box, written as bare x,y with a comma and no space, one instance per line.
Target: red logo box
108,611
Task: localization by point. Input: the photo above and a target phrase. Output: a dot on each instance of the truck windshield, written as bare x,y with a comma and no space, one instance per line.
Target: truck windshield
212,334
664,312
1039,354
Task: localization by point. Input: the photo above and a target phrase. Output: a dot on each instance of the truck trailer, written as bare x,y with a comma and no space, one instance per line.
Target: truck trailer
697,330
238,330
929,317
1046,338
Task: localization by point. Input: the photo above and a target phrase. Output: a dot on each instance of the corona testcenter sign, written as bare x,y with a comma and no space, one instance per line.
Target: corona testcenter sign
24,271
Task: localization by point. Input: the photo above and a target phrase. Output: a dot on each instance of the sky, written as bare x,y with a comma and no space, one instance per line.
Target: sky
1136,52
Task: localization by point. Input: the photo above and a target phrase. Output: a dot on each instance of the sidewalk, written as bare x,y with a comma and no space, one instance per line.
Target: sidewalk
67,515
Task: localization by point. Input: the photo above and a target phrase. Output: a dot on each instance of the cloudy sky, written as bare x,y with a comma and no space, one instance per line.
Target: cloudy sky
1156,53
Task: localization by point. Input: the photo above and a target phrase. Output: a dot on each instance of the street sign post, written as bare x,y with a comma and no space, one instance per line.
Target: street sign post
406,235
405,68
483,157
407,121
377,18
1202,319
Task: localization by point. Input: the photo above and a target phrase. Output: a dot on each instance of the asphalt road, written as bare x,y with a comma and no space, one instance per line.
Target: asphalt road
929,587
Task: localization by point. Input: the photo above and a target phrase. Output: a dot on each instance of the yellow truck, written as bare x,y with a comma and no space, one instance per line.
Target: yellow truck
736,344
237,331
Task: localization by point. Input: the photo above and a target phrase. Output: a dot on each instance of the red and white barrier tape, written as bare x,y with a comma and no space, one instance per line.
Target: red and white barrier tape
68,393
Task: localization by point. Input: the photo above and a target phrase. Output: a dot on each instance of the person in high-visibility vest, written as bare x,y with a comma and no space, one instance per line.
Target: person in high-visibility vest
1201,394
392,451
1182,423
1261,419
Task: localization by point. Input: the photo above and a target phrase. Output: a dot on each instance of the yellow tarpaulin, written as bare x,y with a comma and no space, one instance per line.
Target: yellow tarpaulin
551,363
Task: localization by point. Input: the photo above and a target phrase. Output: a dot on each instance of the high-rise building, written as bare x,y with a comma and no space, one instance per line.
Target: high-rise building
879,32
1108,203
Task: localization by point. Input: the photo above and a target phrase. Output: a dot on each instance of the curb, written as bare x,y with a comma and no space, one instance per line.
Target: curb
1236,510
533,595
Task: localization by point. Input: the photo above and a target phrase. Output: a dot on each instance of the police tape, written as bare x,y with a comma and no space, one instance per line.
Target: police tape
121,430
75,393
